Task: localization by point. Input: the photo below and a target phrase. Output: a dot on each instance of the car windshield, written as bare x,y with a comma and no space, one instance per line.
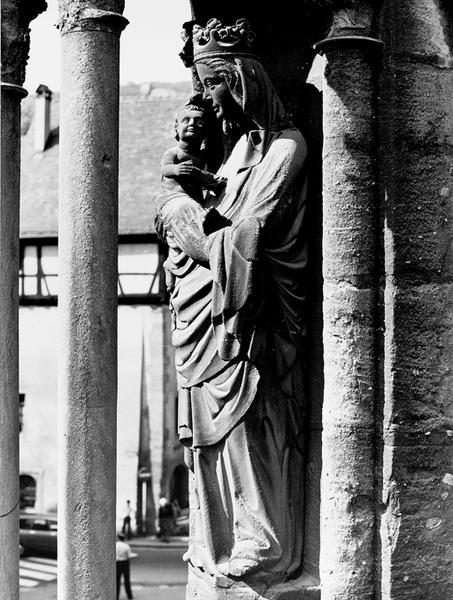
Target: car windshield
39,524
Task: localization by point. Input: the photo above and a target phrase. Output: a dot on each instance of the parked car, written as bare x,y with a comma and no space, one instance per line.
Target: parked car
38,533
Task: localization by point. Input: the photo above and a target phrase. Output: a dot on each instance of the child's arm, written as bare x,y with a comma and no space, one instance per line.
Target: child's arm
193,174
173,169
169,166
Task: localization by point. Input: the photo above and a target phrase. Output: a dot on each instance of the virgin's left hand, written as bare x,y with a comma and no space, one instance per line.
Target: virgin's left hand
184,227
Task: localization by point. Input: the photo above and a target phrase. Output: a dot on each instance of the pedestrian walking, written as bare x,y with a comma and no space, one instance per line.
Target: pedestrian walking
123,556
166,519
126,529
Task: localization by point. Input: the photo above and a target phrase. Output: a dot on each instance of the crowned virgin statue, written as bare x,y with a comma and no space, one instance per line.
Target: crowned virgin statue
237,299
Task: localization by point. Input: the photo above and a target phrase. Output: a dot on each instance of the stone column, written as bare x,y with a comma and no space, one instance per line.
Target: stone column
15,45
351,308
417,144
88,230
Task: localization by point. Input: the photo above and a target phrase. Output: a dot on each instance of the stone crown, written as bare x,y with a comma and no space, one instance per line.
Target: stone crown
216,39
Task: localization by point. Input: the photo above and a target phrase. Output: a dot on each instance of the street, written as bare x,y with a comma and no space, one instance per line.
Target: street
157,572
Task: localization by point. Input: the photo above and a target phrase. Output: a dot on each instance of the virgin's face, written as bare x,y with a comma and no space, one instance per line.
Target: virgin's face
216,90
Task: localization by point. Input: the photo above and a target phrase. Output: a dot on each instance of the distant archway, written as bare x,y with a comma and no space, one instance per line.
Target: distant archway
179,486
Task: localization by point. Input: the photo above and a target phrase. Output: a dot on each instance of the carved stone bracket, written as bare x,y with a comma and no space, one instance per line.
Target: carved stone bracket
74,16
350,20
16,17
353,25
355,19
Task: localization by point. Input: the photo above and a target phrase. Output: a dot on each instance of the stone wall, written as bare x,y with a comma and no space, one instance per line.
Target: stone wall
416,117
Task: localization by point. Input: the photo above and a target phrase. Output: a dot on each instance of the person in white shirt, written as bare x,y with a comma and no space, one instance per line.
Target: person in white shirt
123,556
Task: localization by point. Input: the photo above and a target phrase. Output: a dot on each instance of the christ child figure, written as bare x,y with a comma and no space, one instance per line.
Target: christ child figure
186,185
184,165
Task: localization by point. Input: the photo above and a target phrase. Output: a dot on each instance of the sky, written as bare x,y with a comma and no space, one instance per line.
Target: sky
149,44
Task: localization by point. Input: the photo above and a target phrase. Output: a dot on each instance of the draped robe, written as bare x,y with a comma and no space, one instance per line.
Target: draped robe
238,337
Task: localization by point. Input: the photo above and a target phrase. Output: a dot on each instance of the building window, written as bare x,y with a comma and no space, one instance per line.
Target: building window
139,272
27,494
38,271
21,410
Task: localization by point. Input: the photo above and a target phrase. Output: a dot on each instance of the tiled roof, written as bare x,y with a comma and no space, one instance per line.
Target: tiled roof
146,131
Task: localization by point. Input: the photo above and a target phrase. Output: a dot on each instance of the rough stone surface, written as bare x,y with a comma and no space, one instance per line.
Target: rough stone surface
351,333
417,143
88,305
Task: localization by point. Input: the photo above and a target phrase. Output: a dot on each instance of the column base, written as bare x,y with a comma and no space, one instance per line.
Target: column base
202,586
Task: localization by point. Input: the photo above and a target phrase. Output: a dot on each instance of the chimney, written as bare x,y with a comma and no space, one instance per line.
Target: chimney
42,117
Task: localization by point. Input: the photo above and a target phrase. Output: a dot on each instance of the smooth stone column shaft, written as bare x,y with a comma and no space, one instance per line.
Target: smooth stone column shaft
88,230
9,378
15,17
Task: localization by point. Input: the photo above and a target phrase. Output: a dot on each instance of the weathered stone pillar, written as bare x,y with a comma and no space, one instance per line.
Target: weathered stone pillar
16,17
417,144
88,229
351,297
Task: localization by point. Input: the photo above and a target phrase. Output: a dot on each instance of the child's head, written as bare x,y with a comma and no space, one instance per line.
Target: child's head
190,121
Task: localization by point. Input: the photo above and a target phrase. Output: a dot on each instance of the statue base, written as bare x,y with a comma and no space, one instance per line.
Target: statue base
202,586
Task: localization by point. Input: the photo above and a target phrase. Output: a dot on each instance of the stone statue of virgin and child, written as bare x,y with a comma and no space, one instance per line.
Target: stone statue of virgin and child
235,273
